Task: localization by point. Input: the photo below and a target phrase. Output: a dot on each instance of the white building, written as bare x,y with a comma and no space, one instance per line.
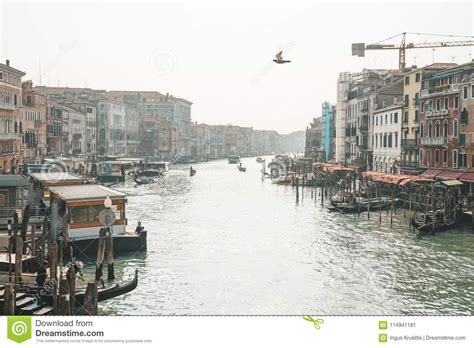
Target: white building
111,127
386,138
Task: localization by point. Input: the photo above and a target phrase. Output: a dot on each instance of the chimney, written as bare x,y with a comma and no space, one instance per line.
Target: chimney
8,62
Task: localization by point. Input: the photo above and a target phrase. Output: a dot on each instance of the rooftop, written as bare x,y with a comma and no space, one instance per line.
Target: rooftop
55,177
13,181
85,193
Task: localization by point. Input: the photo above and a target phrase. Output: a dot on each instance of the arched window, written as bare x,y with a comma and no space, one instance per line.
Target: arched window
430,129
445,128
437,127
455,128
422,133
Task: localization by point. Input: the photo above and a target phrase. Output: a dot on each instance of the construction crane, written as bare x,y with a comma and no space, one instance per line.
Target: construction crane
358,49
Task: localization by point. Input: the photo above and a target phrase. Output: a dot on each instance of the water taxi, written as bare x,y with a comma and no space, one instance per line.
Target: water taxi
77,209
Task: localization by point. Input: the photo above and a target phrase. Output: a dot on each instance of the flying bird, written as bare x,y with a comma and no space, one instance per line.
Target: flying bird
279,59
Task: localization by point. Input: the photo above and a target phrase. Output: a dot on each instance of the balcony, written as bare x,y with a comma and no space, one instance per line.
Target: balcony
364,128
409,164
434,141
415,102
8,136
440,90
7,106
409,143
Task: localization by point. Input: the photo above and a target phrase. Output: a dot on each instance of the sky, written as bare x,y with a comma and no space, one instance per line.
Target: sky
219,55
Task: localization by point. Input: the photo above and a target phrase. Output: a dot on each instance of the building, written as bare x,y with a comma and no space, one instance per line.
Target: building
445,128
74,131
89,110
216,135
314,146
10,113
411,114
159,139
111,127
33,124
328,129
55,143
387,135
201,141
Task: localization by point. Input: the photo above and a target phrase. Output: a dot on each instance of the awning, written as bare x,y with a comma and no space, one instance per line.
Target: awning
452,183
430,173
448,175
467,177
357,166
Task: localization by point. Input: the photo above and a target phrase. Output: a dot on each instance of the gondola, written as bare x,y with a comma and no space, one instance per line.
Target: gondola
242,169
192,172
102,294
423,227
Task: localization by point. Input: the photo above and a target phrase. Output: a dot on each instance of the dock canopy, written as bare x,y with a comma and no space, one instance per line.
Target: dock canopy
450,183
13,181
467,177
430,173
57,179
448,175
86,193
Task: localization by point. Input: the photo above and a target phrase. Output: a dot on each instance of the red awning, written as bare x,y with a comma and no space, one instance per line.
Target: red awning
467,177
430,173
448,175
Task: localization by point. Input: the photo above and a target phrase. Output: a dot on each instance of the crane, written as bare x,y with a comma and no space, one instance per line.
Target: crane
358,49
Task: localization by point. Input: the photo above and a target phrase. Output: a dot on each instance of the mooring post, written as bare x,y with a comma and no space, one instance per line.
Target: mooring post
9,300
18,262
24,222
90,299
100,253
71,278
110,255
64,305
53,262
297,189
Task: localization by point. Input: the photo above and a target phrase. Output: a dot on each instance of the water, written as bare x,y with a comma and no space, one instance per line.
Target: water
226,242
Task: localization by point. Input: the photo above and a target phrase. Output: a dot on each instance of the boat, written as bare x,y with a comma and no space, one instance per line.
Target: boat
102,294
144,180
260,160
154,169
234,159
241,168
349,204
112,172
192,172
84,203
424,225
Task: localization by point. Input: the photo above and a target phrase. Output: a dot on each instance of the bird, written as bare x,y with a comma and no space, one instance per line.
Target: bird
279,59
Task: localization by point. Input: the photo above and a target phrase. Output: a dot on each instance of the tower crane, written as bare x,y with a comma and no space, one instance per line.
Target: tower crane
358,49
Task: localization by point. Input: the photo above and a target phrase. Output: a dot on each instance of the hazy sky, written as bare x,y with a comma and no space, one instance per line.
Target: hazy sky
219,56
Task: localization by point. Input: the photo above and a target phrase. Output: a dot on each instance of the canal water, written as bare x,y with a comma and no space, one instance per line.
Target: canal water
225,242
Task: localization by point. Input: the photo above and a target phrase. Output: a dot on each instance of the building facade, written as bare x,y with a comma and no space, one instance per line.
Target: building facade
10,113
111,127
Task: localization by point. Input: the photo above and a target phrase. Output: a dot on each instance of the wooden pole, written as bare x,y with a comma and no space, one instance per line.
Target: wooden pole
71,278
15,226
110,255
33,240
9,300
18,262
53,262
380,206
64,304
297,189
100,254
90,299
24,222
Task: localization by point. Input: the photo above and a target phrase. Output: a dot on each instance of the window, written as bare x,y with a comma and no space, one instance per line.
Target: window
437,157
395,118
29,100
1,75
405,117
417,77
396,139
456,102
438,104
416,115
422,106
422,133
446,103
445,157
464,92
472,91
445,128
430,105
455,128
430,129
386,117
437,127
455,158
420,156
407,80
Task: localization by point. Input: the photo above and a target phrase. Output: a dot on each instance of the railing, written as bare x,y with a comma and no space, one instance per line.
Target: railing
9,136
409,143
431,91
433,141
409,164
363,128
7,106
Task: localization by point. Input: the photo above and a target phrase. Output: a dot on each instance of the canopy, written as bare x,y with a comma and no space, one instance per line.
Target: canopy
430,173
467,177
448,175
